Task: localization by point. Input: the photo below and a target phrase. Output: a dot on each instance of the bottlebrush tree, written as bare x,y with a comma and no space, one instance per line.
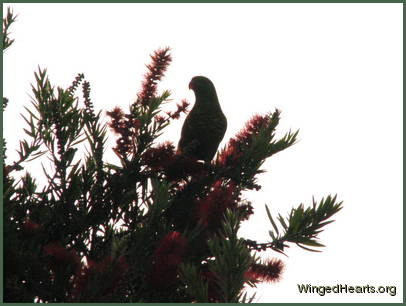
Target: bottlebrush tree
155,227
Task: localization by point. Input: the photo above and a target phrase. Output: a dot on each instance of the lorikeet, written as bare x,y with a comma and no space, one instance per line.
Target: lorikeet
205,125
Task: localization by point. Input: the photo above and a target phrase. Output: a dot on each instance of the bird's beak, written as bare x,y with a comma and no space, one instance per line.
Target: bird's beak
190,85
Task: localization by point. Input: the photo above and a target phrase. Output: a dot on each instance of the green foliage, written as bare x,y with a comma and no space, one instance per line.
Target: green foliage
232,259
303,225
197,287
7,22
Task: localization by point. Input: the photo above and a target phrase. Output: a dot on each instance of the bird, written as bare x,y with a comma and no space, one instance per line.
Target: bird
205,125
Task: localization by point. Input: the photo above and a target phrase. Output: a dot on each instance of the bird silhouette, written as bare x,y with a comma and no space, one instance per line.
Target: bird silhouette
205,125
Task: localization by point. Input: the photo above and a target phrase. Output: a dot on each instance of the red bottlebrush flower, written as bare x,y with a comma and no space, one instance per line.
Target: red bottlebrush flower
156,70
236,146
117,115
29,228
166,258
159,158
271,271
171,248
231,155
160,119
108,270
89,110
135,123
256,123
210,210
181,108
175,167
60,256
126,127
87,275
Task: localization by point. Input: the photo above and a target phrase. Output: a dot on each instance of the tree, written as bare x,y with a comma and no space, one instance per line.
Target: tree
156,227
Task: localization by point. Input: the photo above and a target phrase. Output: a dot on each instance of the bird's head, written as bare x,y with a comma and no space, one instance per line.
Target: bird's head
202,86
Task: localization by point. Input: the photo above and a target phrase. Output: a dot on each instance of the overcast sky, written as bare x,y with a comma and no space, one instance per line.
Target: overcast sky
335,71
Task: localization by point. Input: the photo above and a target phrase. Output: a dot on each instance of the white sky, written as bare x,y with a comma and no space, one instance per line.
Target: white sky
335,71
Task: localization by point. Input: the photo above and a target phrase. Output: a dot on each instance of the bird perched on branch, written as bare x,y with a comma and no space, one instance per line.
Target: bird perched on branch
205,125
